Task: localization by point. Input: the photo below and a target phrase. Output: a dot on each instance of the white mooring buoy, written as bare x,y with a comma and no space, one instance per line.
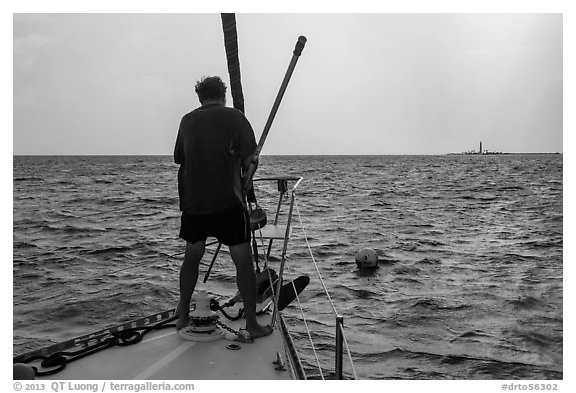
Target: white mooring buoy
366,259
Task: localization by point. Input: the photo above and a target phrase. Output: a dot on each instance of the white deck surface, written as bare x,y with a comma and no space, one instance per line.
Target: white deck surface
164,355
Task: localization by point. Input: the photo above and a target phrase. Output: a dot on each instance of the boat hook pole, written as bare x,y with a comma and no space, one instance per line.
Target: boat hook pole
252,167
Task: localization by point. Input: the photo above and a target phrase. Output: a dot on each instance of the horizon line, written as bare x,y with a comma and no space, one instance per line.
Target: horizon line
273,155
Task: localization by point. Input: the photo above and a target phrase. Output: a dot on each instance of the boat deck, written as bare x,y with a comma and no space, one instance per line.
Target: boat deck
164,355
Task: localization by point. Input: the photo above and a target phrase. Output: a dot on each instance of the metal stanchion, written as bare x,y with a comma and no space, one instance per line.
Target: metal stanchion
339,346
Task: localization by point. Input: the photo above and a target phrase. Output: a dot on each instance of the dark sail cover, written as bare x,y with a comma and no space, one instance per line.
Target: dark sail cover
231,46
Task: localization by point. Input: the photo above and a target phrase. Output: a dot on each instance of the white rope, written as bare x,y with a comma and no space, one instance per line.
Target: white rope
275,305
269,278
325,289
313,260
349,354
306,325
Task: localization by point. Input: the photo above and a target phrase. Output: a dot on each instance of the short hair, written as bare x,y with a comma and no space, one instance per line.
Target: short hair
210,87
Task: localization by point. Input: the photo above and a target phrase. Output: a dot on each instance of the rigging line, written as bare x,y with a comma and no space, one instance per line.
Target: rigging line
322,281
266,264
326,290
349,354
343,333
308,332
313,260
298,355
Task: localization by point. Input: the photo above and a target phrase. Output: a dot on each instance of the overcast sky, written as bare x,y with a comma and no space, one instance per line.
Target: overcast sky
365,83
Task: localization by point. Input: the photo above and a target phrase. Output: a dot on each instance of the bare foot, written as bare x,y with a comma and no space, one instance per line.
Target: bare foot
183,318
182,322
259,331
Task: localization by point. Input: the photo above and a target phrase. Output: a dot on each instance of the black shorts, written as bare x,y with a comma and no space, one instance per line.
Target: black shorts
230,228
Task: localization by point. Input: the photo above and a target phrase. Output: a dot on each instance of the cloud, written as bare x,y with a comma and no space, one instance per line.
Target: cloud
28,51
28,48
367,73
516,50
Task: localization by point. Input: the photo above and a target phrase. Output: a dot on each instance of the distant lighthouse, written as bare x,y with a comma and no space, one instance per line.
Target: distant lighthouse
480,151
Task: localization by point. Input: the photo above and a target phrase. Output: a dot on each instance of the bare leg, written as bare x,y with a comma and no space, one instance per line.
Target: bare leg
246,281
188,279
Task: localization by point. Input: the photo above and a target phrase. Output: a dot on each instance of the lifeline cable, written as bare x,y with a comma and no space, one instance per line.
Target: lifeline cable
301,367
324,286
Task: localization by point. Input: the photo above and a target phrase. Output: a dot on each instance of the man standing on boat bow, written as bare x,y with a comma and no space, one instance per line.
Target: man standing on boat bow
215,145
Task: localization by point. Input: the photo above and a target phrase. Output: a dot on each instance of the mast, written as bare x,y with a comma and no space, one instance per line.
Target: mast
231,46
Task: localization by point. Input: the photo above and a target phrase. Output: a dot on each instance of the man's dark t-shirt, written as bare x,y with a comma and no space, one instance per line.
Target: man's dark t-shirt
212,143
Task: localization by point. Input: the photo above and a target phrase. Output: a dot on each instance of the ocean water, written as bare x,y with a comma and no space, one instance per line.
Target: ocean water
469,284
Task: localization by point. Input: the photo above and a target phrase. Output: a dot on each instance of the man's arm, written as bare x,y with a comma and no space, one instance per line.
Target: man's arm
178,148
247,149
248,187
248,161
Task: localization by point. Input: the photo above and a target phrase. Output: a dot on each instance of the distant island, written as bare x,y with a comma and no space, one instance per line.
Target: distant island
481,151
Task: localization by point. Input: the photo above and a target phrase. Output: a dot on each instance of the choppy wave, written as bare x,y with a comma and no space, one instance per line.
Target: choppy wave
469,283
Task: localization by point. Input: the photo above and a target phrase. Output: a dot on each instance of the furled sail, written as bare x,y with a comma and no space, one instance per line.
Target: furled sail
231,46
